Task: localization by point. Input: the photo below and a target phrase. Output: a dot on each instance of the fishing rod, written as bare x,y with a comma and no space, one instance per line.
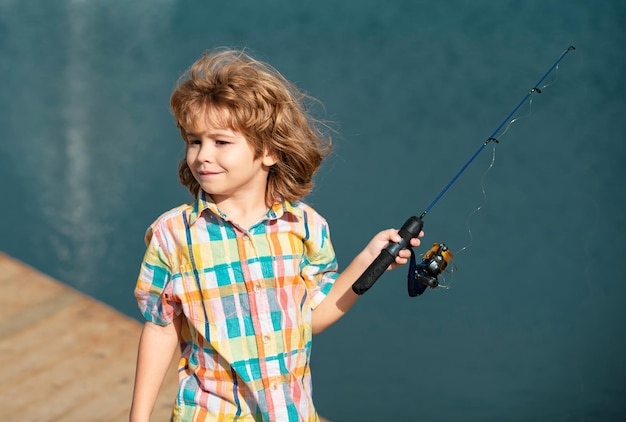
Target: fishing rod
435,259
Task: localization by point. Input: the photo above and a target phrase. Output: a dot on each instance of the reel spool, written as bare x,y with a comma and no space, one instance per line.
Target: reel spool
425,273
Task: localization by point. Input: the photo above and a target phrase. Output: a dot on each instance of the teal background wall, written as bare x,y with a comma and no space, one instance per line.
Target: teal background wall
532,326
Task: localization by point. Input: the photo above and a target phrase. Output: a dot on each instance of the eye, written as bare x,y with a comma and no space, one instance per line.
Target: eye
220,142
194,141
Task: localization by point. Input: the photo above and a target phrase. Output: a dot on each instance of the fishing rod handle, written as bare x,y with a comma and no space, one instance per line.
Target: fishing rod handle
410,229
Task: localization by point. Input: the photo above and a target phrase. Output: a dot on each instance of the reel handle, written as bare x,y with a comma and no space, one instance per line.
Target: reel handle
410,229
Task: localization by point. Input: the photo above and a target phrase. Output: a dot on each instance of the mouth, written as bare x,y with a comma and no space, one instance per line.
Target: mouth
206,173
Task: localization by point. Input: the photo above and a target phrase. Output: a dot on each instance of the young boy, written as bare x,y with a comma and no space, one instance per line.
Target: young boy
243,277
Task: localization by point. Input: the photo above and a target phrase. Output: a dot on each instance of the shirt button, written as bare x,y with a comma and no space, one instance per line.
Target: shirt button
257,287
266,339
273,387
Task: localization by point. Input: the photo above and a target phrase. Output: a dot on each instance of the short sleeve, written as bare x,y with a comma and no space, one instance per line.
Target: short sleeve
319,264
153,291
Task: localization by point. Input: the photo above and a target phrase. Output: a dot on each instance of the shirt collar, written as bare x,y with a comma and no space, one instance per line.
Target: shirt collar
204,202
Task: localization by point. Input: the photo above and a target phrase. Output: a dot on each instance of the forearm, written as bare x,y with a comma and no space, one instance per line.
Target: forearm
341,297
156,348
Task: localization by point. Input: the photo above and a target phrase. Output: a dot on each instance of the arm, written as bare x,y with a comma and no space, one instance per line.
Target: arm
156,348
341,297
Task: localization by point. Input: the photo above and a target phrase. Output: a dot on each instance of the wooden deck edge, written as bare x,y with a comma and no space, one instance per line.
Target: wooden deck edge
71,357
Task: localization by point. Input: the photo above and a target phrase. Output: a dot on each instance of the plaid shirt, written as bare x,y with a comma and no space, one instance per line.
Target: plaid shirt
247,298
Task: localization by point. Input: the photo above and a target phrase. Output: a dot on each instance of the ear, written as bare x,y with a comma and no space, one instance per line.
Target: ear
269,158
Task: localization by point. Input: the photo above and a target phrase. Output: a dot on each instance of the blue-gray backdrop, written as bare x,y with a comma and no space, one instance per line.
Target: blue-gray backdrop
531,328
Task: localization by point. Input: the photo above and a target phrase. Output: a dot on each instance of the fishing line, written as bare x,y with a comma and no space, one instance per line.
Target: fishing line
436,259
493,159
481,206
447,284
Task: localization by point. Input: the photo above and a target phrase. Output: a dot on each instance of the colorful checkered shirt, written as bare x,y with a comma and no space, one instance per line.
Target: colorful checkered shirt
247,298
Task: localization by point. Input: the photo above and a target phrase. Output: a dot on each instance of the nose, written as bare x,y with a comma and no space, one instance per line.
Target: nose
205,152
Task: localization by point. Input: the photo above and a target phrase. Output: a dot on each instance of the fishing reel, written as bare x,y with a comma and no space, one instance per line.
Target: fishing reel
425,273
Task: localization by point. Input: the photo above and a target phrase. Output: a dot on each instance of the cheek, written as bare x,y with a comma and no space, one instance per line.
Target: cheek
189,156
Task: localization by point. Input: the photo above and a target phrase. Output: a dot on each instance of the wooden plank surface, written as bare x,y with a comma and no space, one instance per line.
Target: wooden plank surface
65,356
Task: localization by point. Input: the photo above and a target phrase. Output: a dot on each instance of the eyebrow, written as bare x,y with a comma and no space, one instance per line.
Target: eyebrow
211,133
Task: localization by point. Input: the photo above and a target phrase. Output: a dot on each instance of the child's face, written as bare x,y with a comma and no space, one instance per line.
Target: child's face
222,160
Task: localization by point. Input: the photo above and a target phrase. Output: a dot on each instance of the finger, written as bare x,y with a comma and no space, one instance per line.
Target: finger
404,253
415,242
400,261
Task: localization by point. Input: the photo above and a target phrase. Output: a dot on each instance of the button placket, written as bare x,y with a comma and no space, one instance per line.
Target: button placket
249,243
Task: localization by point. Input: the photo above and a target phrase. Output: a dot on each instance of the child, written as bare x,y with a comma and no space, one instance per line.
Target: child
243,277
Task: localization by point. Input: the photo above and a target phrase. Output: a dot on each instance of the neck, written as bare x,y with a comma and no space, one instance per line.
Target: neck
244,212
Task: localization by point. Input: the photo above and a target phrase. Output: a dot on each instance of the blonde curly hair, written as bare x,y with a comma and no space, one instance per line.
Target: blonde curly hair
265,107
